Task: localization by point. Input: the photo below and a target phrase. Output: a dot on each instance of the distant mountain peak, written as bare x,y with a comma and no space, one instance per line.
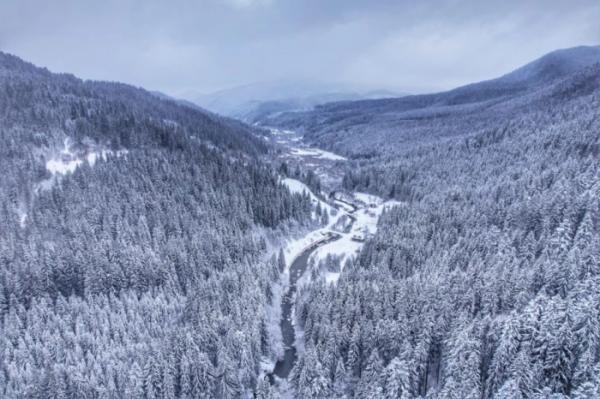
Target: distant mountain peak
555,64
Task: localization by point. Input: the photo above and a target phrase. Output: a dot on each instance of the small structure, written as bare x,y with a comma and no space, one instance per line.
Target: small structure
359,237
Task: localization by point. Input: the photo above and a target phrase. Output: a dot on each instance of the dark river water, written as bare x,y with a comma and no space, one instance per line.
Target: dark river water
285,365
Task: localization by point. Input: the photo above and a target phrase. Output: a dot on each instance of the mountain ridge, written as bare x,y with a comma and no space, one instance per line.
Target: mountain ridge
506,84
66,96
531,82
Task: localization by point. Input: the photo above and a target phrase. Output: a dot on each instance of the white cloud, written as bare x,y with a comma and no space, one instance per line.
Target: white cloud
240,4
205,45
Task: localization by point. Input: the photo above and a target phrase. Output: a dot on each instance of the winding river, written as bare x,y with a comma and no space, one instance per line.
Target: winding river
297,269
284,366
326,166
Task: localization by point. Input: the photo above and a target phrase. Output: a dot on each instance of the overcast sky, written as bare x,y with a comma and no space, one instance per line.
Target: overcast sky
180,46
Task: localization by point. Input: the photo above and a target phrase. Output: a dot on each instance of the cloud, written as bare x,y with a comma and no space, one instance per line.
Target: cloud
248,3
204,45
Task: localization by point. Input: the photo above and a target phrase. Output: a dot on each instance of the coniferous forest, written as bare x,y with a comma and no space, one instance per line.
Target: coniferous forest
142,242
144,276
485,281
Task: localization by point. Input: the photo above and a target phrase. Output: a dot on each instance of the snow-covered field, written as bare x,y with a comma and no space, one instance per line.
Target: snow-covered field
289,137
368,199
317,153
67,161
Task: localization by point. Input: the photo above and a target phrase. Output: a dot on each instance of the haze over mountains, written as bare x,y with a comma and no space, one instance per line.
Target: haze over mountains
254,101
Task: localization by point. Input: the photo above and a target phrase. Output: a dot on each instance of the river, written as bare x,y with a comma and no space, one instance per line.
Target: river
361,212
297,269
284,366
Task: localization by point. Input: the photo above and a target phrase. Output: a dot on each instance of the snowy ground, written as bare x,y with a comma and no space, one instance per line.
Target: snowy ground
364,226
369,209
323,163
293,248
67,161
314,152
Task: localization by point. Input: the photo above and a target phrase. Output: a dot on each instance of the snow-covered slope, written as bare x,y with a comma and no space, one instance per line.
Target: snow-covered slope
296,186
555,64
317,153
67,160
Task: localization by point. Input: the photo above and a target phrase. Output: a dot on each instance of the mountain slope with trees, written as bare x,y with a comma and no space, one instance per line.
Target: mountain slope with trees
485,283
142,275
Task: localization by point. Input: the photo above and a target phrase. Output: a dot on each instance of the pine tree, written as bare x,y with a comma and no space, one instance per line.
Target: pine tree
263,390
397,380
340,380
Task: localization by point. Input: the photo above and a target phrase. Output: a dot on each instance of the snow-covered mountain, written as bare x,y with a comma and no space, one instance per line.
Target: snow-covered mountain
133,215
380,115
454,252
486,282
554,65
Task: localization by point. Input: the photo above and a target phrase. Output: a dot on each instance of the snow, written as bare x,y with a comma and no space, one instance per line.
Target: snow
55,166
67,161
332,278
64,165
368,199
294,247
364,226
317,153
286,136
367,213
22,218
280,132
370,208
297,187
344,206
170,123
92,157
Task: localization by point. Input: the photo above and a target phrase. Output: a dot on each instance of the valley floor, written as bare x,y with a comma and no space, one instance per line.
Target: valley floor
352,219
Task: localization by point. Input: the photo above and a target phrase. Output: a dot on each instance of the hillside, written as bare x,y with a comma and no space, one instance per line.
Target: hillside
333,125
133,256
439,246
485,281
112,112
